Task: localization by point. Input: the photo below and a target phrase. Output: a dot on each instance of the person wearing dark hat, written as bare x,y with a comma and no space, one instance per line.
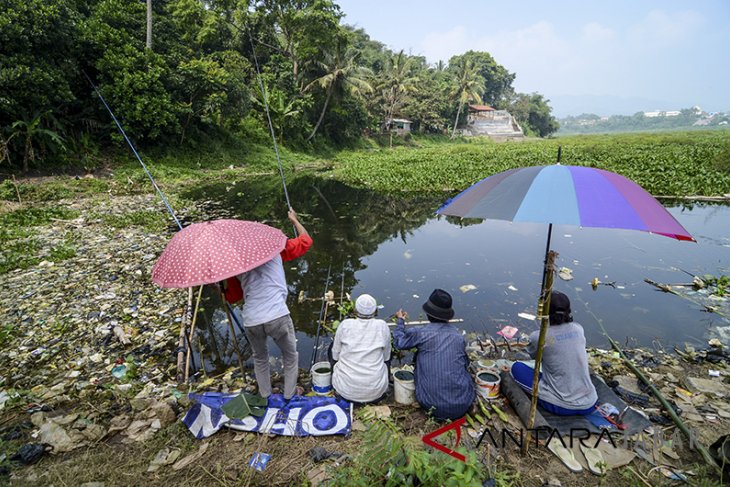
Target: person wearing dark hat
565,386
444,386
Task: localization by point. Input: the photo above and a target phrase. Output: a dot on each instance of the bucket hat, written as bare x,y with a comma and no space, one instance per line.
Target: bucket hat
439,305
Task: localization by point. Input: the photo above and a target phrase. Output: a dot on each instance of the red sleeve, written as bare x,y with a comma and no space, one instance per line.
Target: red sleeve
296,247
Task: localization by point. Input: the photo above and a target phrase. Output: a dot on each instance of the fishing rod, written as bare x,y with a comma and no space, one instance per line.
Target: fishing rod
342,289
268,115
152,179
321,316
131,146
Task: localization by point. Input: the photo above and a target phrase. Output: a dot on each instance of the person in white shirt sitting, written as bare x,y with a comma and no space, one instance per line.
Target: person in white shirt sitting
361,349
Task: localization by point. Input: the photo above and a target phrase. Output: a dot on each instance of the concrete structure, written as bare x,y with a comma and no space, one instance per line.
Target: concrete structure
400,126
497,124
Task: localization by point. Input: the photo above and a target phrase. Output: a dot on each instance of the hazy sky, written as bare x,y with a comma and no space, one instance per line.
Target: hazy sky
633,54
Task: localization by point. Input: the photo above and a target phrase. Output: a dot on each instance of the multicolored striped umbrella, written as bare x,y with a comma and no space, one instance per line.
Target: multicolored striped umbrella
565,195
562,195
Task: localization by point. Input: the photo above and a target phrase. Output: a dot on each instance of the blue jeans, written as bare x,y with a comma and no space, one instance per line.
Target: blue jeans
523,375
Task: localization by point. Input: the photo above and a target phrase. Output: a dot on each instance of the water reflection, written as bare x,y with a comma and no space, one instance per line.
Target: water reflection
395,248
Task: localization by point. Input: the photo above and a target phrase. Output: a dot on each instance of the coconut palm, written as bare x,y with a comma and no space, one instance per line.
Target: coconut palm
469,84
395,83
341,69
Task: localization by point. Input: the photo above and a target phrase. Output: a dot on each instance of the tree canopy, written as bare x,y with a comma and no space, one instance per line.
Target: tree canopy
212,68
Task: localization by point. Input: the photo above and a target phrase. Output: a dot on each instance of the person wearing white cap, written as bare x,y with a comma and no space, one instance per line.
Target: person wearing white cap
361,349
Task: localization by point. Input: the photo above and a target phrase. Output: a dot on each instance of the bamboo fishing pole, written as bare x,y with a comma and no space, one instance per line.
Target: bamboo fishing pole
322,316
192,333
181,341
543,308
665,404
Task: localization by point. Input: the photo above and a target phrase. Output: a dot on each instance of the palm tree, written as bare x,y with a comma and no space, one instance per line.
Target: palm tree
396,82
341,69
469,84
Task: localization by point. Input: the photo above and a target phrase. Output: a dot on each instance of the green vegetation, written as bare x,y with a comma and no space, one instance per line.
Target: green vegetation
674,164
18,248
390,458
325,83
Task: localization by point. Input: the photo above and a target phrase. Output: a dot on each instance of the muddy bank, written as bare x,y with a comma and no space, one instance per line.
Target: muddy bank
89,365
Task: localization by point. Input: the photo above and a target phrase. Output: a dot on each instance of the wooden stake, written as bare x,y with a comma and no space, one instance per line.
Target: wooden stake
181,341
192,332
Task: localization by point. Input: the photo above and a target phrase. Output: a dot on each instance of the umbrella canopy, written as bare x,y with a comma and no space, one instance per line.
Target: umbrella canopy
562,195
565,195
208,252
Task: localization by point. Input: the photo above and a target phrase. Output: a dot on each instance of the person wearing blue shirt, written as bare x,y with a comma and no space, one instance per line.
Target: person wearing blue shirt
444,386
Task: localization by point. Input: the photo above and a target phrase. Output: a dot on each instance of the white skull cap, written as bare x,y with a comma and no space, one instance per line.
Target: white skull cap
365,305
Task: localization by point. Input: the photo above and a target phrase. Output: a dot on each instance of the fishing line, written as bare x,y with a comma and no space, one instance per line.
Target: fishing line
268,116
124,134
149,175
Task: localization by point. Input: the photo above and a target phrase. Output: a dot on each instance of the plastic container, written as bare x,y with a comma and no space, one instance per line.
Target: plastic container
485,364
404,386
488,383
322,378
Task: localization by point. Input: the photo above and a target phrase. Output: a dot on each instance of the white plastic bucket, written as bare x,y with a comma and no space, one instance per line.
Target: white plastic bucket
404,385
488,383
322,378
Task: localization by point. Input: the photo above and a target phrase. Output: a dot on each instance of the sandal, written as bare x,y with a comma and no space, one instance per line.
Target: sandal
594,458
565,455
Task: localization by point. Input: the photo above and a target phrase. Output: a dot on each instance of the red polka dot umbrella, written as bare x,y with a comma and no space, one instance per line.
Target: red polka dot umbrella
209,252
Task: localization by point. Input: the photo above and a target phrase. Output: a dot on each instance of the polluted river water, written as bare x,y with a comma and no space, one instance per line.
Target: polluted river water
395,248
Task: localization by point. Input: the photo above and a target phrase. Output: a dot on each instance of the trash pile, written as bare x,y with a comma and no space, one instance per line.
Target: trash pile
91,332
695,383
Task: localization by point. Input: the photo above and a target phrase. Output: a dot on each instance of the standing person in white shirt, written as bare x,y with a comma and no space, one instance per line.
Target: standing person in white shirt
265,314
361,349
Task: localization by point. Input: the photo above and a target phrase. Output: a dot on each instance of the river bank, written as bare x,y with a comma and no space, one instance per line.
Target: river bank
72,318
89,345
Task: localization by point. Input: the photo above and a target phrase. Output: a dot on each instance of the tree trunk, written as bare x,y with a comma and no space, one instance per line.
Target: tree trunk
458,114
324,109
149,24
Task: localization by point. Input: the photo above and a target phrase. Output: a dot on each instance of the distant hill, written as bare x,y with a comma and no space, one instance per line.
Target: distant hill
605,105
688,118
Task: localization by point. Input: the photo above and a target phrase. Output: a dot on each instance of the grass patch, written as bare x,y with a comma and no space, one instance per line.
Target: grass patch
35,216
62,252
18,248
18,254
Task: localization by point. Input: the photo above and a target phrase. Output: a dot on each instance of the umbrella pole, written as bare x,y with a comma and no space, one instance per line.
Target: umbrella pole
192,333
233,334
542,308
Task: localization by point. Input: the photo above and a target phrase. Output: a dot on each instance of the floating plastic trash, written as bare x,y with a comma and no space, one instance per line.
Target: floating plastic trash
467,287
527,316
259,461
508,332
565,273
119,371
